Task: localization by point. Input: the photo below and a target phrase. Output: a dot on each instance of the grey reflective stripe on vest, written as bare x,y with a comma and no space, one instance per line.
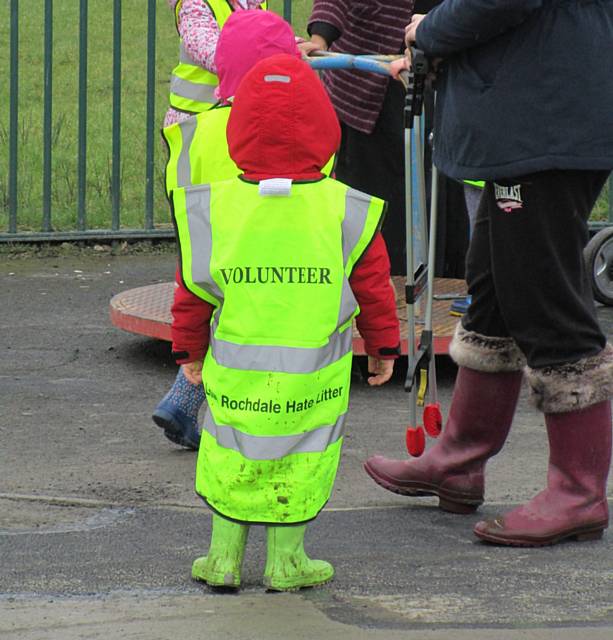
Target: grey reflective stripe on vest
348,303
358,204
274,447
198,206
280,359
192,90
184,165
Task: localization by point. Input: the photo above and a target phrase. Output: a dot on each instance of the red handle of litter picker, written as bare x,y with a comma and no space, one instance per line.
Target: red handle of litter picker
433,419
416,441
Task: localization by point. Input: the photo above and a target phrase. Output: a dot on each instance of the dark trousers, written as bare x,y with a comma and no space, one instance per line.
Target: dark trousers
374,163
525,267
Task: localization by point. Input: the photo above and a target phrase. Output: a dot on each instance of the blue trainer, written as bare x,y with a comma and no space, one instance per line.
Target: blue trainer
177,413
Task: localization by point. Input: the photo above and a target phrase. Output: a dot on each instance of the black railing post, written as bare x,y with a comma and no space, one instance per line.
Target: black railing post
47,114
13,117
150,167
82,135
116,151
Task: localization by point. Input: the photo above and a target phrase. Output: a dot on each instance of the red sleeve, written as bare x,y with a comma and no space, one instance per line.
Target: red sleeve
372,286
190,324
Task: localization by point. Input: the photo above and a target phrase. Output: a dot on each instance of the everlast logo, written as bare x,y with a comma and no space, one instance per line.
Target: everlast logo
276,275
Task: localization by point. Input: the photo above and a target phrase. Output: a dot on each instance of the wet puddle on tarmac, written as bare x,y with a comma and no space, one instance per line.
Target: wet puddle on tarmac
20,517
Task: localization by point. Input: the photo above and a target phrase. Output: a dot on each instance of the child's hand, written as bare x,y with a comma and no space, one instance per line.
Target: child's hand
193,372
382,370
316,43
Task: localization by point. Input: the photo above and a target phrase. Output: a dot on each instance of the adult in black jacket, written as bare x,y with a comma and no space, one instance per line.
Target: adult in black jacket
524,102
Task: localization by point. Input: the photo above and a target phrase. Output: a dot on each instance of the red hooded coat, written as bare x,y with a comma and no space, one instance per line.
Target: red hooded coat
290,130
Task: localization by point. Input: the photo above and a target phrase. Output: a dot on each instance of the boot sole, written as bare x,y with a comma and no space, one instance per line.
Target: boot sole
172,430
219,582
581,534
278,588
459,504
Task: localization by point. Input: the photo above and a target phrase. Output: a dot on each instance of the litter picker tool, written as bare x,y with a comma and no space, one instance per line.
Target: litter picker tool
420,381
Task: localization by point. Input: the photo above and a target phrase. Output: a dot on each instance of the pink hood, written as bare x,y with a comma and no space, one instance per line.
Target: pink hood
246,38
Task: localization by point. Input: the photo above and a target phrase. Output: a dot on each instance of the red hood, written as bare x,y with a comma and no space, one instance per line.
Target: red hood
282,122
246,38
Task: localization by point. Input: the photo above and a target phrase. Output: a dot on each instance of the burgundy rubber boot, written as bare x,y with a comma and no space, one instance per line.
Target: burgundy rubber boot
574,504
480,417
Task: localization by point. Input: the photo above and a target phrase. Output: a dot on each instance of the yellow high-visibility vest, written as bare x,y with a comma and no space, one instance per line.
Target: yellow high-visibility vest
198,150
192,88
278,368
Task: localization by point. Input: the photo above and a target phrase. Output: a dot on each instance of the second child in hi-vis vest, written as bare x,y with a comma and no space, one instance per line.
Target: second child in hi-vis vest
198,153
194,78
284,258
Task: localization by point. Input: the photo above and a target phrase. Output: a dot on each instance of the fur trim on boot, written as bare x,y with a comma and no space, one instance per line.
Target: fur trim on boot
485,353
569,387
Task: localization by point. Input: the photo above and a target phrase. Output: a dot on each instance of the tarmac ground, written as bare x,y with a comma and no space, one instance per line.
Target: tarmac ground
99,523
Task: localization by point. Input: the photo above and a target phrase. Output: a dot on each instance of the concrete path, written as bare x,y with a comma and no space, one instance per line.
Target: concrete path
99,522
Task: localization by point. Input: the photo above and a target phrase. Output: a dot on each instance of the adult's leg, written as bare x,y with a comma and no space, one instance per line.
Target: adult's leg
538,231
538,228
574,503
480,417
483,403
373,163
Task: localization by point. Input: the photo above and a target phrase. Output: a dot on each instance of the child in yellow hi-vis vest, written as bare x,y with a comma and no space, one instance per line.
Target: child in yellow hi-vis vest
198,153
193,80
282,256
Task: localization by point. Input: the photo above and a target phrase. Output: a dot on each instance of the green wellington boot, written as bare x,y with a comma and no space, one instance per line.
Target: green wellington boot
288,567
222,566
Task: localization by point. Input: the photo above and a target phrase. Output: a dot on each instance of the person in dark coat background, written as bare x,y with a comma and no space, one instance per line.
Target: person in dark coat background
524,102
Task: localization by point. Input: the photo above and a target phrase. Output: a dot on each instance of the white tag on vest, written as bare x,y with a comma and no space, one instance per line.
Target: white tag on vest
276,187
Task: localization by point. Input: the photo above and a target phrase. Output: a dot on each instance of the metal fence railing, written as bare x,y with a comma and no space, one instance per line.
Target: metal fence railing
81,229
61,212
50,172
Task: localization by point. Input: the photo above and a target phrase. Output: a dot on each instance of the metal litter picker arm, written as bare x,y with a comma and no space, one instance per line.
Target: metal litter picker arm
421,370
330,61
421,373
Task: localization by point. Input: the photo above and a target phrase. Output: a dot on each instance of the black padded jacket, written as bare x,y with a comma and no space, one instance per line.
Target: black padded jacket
526,85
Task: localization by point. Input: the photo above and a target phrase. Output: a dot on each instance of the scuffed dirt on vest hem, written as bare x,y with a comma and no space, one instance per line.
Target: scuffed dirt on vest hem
18,251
